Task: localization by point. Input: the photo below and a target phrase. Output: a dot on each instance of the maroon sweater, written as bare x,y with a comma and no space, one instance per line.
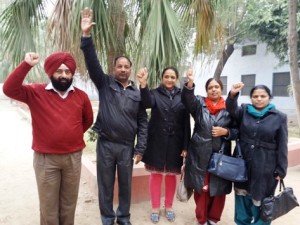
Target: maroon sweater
58,124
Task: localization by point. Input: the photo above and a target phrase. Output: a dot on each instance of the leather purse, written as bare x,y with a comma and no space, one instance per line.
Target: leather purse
232,168
273,207
183,193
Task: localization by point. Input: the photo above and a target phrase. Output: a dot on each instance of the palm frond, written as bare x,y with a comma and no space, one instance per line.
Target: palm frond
162,42
19,31
64,28
152,31
58,27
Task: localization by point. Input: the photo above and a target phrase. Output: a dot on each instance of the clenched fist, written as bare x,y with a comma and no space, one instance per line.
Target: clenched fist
32,58
142,76
190,76
236,88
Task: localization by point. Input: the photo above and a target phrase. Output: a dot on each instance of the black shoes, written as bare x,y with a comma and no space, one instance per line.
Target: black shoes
124,223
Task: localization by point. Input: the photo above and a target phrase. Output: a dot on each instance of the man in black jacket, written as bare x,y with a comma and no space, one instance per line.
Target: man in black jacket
121,118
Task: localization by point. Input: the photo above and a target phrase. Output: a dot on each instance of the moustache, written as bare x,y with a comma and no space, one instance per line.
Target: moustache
63,79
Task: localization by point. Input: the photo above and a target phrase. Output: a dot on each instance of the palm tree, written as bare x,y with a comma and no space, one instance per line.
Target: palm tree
20,29
153,33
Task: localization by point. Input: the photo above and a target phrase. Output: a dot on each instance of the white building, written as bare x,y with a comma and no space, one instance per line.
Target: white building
251,64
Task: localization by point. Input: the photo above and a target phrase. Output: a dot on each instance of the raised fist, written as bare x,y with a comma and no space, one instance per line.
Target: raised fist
236,88
190,76
32,58
142,76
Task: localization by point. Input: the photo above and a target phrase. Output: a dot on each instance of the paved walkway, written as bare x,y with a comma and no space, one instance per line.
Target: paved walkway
18,194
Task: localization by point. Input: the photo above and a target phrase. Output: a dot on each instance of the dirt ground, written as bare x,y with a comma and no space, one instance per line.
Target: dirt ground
18,192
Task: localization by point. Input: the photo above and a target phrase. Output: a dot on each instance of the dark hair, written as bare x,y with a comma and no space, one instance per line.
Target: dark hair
122,56
210,80
263,87
170,68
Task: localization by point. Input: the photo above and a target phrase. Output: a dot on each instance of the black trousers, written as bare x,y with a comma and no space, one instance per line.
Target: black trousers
113,156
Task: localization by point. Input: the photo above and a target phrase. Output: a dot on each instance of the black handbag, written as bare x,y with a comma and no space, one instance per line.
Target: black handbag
273,207
231,168
183,193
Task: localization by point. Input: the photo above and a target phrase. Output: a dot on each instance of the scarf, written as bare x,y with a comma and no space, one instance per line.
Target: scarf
253,111
214,109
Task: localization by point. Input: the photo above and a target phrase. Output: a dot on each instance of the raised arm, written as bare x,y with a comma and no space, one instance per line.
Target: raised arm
231,100
86,22
235,89
13,86
89,51
147,99
188,97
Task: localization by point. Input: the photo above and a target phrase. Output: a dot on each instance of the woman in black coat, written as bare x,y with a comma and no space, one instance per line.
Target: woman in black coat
212,128
263,140
168,136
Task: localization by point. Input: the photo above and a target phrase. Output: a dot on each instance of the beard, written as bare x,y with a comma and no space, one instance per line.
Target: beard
61,84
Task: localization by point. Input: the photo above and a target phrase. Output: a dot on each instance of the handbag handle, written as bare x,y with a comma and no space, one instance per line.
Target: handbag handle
238,147
182,169
281,184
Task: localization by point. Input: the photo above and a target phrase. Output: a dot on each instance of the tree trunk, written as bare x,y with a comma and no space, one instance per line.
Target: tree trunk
117,42
226,53
292,43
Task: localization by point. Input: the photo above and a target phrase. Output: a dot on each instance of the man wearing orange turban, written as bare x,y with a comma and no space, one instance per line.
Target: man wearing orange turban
60,115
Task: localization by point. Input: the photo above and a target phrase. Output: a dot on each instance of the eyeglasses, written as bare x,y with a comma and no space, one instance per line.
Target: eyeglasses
60,71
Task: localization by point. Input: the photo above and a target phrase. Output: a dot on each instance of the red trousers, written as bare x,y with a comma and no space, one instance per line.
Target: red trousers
155,182
207,207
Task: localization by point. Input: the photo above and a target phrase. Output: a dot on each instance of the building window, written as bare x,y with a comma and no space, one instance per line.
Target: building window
281,81
223,79
249,82
248,50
